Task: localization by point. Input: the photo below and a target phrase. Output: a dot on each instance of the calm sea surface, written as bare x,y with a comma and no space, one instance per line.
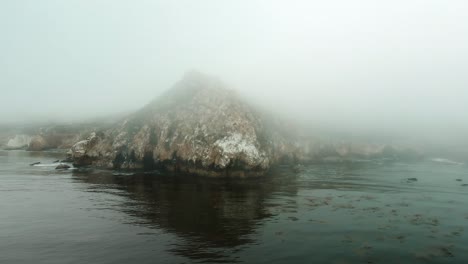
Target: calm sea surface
366,212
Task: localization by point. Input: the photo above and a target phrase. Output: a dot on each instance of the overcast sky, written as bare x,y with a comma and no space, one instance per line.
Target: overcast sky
343,61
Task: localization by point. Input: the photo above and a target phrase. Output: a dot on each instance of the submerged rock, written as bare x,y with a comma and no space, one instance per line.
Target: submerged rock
62,167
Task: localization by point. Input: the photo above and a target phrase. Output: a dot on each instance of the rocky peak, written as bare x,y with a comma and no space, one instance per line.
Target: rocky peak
201,127
198,126
193,87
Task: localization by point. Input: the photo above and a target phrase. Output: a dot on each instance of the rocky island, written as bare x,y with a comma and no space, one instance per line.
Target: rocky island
199,126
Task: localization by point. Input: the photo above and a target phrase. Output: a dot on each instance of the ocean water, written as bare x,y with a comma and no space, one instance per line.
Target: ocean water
362,212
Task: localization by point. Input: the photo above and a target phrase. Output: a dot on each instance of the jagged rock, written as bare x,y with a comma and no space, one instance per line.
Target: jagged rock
82,152
198,126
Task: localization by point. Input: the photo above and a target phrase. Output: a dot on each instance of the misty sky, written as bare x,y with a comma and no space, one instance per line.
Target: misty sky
391,62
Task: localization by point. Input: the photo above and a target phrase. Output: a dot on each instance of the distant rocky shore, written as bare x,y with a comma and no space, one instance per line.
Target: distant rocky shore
45,136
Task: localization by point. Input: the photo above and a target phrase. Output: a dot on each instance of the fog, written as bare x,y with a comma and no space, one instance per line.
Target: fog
366,65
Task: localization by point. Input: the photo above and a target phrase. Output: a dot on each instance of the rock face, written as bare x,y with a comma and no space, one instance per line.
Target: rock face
198,126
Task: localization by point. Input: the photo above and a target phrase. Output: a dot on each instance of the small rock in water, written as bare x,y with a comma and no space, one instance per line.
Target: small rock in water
412,179
458,179
56,161
35,163
465,184
123,173
62,167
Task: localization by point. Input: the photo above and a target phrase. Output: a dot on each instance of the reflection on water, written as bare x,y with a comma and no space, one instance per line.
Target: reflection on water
212,216
364,212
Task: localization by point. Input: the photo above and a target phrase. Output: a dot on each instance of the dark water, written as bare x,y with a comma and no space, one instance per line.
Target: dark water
345,213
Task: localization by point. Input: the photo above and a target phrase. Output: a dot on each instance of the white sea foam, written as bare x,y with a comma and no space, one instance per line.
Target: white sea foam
446,161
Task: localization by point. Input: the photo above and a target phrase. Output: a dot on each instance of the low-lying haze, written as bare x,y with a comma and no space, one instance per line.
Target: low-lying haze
361,63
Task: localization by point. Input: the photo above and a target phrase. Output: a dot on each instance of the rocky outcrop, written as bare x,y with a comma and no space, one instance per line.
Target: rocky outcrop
19,141
53,136
56,137
37,143
42,137
199,126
